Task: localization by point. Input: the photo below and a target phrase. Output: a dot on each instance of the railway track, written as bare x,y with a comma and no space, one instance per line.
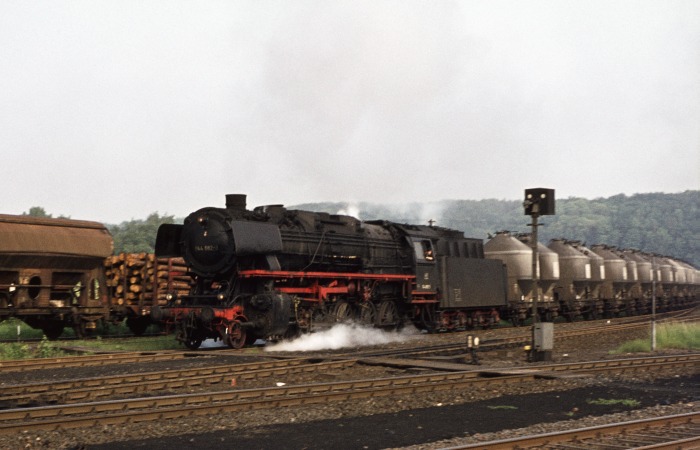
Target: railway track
90,389
671,432
523,336
152,408
21,365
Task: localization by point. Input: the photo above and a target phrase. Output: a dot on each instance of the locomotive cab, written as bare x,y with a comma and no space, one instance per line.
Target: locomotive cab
426,269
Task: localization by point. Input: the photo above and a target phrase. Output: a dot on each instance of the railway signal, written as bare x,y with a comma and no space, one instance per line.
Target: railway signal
538,202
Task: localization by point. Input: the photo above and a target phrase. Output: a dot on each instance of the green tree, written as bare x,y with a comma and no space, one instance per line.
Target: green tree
137,236
36,211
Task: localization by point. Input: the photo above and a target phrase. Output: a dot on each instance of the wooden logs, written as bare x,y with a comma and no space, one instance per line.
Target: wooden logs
139,280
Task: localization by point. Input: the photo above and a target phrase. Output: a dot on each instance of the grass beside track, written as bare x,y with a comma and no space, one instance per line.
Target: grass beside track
49,349
683,336
13,329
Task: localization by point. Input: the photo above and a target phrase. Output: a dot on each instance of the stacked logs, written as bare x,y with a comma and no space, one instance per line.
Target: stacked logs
141,279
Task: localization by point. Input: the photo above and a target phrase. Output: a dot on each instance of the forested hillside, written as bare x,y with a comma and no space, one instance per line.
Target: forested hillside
668,224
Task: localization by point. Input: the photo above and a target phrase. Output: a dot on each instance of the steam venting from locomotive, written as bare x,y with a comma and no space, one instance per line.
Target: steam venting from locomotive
343,335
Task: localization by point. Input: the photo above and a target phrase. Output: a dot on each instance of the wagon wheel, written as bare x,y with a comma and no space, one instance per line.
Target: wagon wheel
427,317
368,313
477,318
137,325
188,331
235,335
81,330
343,312
388,315
193,343
52,331
592,314
462,321
291,333
570,315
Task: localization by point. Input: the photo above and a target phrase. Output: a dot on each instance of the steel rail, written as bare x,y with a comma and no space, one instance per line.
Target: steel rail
579,436
152,408
45,392
692,358
19,365
505,342
108,380
159,408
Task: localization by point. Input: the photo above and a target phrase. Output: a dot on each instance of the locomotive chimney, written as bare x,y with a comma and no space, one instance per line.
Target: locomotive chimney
236,202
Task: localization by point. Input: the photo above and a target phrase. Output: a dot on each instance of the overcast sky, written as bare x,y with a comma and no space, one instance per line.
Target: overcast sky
112,110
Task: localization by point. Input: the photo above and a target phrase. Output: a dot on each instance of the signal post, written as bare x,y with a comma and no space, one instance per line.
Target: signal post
539,202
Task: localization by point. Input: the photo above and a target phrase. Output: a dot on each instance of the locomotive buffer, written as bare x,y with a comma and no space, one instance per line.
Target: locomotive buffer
539,202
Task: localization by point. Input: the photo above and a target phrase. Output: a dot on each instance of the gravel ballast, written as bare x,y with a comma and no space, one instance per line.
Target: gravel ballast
424,421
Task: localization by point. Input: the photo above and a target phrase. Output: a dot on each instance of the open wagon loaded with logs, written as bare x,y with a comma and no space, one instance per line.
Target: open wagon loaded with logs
138,281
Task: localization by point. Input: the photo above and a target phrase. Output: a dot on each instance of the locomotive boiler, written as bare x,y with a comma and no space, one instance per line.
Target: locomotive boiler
272,272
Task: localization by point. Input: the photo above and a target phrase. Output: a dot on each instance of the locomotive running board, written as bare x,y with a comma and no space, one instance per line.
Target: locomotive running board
322,275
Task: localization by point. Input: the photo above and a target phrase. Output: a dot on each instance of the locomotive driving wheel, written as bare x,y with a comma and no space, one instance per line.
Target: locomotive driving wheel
235,335
388,315
368,313
343,312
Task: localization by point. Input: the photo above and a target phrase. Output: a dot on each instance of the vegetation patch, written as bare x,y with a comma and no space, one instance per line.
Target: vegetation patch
21,350
507,407
141,344
14,329
631,403
684,336
49,349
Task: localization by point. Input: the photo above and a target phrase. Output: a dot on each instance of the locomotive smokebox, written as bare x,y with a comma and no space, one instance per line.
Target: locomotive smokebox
236,202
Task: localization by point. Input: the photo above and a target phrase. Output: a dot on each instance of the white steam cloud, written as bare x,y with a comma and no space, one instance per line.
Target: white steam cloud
342,336
351,210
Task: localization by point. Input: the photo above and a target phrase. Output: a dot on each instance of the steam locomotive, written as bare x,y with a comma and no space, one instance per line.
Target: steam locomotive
274,272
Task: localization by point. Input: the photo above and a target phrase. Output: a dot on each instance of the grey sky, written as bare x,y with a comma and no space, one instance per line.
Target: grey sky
111,110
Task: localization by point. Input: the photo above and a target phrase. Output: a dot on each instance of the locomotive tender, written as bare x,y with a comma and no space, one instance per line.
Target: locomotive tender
274,272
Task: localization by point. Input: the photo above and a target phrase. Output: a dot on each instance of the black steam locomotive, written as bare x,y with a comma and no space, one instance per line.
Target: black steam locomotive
273,272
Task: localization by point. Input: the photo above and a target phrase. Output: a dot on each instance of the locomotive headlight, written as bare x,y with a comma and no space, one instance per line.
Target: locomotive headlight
220,297
168,296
